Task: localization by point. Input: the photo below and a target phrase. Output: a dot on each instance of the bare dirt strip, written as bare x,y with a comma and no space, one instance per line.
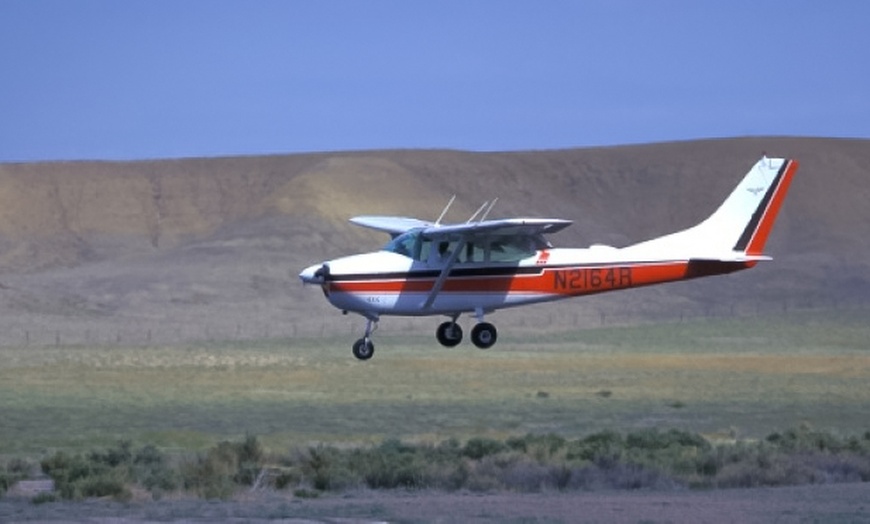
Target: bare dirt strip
818,503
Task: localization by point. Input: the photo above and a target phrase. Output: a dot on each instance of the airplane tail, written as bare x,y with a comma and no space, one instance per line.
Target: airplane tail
738,230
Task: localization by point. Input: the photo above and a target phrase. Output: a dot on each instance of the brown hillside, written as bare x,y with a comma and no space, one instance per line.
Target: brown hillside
220,240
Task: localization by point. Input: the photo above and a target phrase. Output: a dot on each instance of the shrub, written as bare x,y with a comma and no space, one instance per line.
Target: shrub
653,439
113,457
641,459
105,484
152,470
76,476
530,477
620,476
542,447
393,465
326,468
217,473
478,448
287,478
43,498
805,439
12,472
5,482
603,448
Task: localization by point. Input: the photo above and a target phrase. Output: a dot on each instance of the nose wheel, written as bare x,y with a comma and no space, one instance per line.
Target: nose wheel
363,348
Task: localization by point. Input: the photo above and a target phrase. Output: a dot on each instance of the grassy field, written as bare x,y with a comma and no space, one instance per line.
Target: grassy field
734,378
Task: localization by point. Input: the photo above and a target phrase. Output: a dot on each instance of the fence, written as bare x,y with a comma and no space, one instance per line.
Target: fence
550,318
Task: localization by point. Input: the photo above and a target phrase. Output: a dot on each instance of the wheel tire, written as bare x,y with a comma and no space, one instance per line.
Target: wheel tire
449,334
484,335
363,349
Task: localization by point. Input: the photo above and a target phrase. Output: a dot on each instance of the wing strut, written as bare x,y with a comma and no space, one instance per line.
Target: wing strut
486,213
477,212
441,216
445,272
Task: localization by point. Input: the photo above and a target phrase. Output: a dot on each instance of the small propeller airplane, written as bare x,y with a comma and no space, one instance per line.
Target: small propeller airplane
483,265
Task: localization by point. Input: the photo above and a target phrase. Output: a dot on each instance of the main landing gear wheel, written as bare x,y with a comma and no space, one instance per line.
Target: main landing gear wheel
363,349
484,335
449,334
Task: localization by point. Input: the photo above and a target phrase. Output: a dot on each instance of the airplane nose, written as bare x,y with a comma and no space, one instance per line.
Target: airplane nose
313,274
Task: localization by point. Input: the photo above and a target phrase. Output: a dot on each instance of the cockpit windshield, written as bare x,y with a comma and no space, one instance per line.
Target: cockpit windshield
406,244
492,248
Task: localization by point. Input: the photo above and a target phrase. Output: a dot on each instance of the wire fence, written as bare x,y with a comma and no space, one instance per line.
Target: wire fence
550,319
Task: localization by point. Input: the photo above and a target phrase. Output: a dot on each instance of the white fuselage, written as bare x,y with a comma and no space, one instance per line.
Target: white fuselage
385,283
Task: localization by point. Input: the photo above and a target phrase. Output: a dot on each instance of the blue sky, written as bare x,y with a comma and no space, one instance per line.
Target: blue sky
143,79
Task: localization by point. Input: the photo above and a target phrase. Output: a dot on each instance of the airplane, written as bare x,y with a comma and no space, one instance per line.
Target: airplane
481,266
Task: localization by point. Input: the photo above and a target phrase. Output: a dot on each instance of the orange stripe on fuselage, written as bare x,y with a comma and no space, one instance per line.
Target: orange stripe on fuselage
565,281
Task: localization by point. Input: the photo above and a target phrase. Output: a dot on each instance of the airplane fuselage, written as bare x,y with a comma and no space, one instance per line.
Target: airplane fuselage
384,283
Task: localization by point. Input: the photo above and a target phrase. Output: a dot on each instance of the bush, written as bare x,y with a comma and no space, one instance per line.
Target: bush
478,448
327,469
76,476
12,472
643,459
108,472
43,498
393,465
653,439
542,447
620,476
225,466
604,448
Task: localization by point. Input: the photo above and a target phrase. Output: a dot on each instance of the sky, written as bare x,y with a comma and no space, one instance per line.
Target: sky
140,79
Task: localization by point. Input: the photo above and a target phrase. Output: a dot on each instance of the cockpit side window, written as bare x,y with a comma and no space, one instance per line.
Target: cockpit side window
438,250
510,249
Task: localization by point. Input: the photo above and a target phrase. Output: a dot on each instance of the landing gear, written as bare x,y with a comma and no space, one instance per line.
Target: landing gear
363,348
484,335
449,334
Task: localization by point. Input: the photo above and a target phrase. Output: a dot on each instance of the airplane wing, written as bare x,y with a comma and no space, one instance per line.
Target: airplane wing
506,227
392,225
510,226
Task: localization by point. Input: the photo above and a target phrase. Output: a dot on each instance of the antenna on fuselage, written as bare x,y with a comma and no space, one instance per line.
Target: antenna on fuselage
441,216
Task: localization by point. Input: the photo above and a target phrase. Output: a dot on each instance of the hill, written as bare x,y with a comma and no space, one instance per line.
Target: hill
211,247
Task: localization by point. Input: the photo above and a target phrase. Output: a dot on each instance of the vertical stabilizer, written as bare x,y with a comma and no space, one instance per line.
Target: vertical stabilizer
754,236
739,228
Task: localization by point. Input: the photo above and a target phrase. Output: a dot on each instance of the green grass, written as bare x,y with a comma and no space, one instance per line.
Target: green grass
723,378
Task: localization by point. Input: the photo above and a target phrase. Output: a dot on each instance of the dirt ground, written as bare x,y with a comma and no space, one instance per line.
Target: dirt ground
819,503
